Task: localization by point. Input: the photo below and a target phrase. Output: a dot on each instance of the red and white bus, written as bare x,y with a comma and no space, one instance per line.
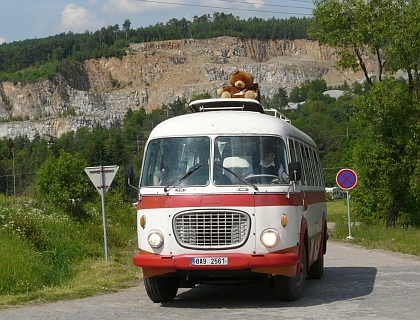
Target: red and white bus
230,193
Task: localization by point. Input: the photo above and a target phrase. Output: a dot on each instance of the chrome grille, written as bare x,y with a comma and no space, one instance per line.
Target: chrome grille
211,229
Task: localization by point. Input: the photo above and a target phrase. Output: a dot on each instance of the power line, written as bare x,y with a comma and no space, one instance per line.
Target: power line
267,4
236,9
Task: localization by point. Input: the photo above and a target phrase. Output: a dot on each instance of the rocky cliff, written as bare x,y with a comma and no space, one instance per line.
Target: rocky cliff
101,91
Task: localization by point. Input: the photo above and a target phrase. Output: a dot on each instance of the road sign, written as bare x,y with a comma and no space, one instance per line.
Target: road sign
101,176
346,179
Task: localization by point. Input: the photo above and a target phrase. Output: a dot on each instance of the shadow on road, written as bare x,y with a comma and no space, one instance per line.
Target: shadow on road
337,284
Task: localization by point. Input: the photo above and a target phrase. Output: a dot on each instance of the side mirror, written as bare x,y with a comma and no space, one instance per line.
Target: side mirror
129,175
295,171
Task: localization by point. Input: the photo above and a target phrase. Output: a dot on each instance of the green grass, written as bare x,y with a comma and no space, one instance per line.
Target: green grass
91,277
398,239
47,255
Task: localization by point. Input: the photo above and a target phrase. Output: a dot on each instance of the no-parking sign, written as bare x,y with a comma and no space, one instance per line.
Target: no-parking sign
346,179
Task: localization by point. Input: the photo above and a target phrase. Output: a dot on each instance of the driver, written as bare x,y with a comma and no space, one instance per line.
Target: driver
266,165
168,172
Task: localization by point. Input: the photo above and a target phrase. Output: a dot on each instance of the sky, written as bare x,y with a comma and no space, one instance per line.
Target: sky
29,19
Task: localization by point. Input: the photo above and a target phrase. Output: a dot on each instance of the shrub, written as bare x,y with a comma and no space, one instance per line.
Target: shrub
63,180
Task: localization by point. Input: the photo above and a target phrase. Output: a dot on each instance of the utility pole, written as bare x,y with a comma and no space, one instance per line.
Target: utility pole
13,172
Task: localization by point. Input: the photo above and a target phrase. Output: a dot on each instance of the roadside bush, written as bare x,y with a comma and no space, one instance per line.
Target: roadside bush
63,181
25,227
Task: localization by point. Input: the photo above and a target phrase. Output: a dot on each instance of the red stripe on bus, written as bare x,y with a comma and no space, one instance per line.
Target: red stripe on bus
227,200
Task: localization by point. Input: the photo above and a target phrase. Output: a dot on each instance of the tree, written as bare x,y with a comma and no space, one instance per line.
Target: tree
177,108
278,101
387,29
383,155
126,27
203,95
63,180
115,148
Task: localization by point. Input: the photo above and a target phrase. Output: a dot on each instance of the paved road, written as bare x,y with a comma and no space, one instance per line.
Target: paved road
357,284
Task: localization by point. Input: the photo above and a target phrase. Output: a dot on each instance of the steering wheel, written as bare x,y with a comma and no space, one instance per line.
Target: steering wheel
260,178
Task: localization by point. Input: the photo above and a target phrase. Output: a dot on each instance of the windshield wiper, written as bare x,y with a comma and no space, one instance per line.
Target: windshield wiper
238,176
185,176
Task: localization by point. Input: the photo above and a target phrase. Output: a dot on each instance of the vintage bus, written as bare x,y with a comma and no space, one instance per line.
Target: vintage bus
230,193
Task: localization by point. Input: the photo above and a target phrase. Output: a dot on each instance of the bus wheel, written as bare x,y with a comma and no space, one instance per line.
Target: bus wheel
291,288
317,268
161,289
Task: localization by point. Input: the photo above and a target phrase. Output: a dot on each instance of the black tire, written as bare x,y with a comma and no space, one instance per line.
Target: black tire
161,289
316,270
291,288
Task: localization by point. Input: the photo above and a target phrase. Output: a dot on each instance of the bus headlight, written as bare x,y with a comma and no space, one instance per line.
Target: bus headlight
155,239
270,238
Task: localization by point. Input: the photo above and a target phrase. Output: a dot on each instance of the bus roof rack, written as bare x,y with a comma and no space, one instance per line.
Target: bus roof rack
277,114
226,104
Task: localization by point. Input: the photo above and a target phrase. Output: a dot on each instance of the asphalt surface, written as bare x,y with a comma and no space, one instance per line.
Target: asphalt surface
357,284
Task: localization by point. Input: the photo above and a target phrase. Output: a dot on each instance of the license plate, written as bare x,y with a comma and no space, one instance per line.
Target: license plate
209,261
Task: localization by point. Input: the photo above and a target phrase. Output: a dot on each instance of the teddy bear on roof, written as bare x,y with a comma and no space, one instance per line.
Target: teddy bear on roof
242,86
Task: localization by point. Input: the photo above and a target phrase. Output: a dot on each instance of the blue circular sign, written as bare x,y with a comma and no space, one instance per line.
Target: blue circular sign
346,179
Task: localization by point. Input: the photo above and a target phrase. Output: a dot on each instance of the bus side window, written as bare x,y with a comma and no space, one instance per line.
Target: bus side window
301,158
320,173
281,156
315,164
311,166
292,148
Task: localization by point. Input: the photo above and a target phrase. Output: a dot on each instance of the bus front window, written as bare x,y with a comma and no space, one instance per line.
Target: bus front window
176,161
257,160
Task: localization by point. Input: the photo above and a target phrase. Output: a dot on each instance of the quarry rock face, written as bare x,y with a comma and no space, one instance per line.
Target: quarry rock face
155,73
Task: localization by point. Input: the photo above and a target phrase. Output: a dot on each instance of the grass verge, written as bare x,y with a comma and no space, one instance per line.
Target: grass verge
398,239
47,255
92,277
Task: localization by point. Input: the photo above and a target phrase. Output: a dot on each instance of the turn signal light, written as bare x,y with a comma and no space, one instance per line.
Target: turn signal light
283,220
143,222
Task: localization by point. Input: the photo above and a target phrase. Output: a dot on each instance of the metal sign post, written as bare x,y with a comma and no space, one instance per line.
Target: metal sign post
347,179
101,178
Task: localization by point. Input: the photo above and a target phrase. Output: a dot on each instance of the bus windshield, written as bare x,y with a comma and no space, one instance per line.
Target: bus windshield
237,160
255,159
168,160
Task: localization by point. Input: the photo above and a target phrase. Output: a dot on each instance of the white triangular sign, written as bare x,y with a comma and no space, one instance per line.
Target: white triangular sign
101,176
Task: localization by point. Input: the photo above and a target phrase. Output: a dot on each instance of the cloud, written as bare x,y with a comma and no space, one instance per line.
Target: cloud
145,6
136,6
2,40
256,3
78,19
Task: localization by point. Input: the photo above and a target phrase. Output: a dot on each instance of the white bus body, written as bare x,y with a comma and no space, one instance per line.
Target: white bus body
213,220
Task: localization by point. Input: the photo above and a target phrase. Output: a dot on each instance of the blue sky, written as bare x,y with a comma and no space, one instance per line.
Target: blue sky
29,19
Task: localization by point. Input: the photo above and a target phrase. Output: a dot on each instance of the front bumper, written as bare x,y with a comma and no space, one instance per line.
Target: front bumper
236,261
